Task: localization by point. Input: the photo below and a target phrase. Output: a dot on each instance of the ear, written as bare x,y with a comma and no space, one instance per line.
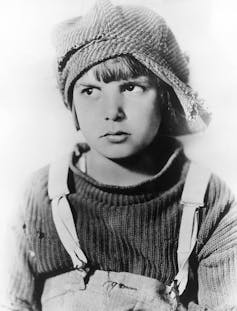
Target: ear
75,119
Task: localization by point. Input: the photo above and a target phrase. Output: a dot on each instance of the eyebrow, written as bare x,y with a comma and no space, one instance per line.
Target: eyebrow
141,79
89,85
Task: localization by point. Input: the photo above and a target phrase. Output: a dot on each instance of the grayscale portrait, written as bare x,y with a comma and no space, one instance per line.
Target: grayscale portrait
119,155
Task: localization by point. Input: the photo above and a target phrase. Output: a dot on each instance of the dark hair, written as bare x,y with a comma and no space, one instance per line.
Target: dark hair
122,67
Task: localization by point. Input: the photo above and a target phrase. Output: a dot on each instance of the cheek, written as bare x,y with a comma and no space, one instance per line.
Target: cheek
152,112
147,115
151,125
155,117
86,114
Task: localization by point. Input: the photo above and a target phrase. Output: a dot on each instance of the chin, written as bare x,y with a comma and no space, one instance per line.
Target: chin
120,152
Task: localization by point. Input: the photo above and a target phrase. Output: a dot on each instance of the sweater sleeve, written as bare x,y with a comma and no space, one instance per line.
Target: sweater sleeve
217,251
21,285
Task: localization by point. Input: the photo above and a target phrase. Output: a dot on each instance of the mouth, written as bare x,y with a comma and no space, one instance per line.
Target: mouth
118,133
116,137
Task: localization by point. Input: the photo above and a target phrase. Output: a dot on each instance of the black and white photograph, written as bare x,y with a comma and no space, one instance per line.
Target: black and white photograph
118,155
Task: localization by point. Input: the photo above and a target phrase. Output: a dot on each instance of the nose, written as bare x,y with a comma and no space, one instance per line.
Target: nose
114,107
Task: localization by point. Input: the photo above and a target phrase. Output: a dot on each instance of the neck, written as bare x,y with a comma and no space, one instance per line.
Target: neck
129,171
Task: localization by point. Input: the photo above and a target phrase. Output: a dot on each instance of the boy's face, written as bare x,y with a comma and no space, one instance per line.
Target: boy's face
118,119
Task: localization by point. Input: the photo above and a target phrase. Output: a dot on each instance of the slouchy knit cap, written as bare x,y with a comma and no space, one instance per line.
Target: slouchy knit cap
107,31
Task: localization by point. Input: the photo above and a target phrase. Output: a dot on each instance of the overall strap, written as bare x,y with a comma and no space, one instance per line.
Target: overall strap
61,211
192,199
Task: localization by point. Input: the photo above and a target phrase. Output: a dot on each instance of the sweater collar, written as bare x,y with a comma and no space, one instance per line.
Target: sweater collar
170,173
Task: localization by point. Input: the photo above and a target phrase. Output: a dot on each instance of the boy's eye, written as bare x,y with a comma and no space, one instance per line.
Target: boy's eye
87,91
130,87
90,91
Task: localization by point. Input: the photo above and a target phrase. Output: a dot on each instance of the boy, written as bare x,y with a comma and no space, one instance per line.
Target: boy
111,229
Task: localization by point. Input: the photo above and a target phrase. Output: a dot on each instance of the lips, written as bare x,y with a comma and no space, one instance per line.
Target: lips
116,137
118,133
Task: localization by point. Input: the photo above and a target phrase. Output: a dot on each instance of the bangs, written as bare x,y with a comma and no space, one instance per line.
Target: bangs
122,68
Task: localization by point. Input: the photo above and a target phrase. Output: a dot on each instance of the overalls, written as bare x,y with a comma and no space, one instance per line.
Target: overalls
83,290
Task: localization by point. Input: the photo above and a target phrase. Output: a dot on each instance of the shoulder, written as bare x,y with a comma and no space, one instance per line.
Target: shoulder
43,183
216,191
35,197
219,198
218,218
37,185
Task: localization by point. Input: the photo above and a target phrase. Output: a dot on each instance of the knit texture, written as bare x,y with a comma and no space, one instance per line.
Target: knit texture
108,31
133,229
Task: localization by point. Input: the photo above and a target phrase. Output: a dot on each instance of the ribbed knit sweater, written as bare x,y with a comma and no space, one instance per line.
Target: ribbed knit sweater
133,229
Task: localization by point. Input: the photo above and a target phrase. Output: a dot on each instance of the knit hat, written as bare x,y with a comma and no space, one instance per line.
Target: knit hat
107,31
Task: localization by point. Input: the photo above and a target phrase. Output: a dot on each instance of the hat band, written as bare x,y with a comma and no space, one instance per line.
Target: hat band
65,59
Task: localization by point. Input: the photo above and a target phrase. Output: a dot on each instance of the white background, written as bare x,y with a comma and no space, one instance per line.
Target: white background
34,125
